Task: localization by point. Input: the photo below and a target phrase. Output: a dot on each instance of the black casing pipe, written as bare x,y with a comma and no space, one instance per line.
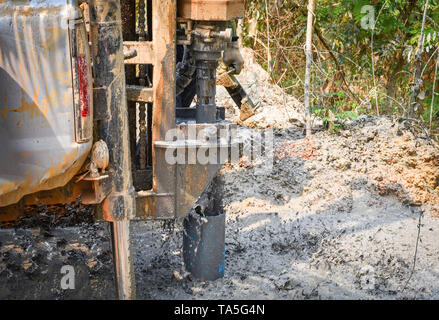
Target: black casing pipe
204,246
204,235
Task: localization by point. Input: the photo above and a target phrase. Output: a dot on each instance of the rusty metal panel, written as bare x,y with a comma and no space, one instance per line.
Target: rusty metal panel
37,133
144,52
175,186
164,39
139,93
211,10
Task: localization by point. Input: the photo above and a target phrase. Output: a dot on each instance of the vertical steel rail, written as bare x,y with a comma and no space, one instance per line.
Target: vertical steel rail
128,10
112,126
123,260
164,16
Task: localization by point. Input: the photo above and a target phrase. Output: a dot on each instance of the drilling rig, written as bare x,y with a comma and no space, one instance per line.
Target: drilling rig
126,146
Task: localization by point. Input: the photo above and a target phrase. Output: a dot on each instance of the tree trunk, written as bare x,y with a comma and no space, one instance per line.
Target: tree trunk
416,88
308,52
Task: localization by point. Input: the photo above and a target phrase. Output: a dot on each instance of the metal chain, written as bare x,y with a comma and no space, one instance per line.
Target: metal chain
142,82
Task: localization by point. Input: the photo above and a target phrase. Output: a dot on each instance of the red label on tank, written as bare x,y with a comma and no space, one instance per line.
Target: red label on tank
83,86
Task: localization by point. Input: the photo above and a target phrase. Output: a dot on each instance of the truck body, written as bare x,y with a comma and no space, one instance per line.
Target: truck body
44,75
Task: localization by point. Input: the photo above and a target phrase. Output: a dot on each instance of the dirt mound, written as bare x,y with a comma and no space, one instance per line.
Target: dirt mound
336,217
391,159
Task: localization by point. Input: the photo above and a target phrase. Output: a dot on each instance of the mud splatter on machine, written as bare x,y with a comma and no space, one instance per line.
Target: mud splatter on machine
99,123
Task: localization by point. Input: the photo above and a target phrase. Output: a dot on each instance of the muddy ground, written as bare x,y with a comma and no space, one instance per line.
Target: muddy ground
336,217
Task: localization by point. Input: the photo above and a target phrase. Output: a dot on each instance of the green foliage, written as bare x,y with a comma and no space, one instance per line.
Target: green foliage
345,76
332,120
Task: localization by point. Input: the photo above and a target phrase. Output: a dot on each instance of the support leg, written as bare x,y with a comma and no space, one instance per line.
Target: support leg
123,260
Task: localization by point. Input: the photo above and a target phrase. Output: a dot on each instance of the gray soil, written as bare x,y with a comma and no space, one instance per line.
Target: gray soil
337,217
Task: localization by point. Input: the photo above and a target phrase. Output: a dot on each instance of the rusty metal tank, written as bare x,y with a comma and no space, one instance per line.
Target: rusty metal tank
39,143
210,10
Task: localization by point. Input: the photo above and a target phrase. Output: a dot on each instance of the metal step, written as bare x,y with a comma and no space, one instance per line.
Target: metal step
139,94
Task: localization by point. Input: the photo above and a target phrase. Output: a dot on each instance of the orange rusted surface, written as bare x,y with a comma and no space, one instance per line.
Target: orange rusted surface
144,51
164,30
67,194
12,192
37,131
211,10
11,213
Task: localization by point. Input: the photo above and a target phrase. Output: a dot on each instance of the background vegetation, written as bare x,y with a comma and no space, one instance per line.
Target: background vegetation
355,69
